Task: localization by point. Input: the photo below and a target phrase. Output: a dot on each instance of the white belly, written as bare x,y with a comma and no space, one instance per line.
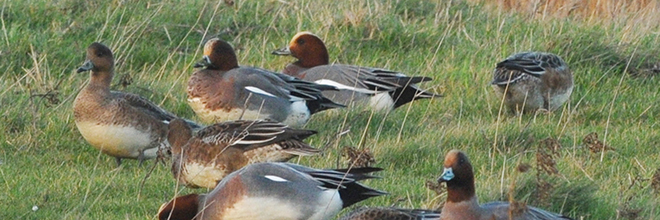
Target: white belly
202,176
330,208
116,140
269,208
299,114
382,102
262,208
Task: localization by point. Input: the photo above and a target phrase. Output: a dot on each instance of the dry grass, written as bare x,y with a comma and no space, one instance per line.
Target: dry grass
586,9
632,16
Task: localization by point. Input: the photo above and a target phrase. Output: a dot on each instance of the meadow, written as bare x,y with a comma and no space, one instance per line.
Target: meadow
48,171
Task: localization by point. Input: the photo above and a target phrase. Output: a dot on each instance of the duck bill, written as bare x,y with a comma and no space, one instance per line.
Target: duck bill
87,66
282,51
204,62
447,175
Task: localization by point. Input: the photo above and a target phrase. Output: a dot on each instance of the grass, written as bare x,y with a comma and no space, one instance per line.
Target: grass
44,162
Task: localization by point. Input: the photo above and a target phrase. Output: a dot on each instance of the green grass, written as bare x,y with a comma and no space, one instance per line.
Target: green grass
45,162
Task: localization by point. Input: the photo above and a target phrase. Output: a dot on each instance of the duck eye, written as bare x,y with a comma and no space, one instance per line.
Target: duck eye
99,54
301,41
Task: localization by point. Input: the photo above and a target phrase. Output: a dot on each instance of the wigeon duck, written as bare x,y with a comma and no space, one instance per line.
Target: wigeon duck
462,203
379,89
275,191
224,91
203,159
122,125
390,213
531,81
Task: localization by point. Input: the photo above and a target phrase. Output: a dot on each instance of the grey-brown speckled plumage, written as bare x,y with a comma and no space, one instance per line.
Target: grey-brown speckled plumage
530,81
391,213
203,159
122,125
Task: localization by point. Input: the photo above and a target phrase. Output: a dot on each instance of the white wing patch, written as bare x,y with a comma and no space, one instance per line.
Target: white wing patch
246,142
259,91
276,178
346,87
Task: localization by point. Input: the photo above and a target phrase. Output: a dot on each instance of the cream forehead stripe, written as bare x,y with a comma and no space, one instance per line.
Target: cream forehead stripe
293,40
208,47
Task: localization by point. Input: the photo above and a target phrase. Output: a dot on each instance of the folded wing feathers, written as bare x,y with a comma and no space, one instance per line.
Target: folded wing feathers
533,63
361,173
504,76
150,108
382,79
519,66
242,132
537,213
145,105
303,89
332,179
380,84
299,148
529,66
421,214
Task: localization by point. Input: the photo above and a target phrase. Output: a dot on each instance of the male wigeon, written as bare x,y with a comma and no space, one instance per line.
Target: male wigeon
531,81
462,203
122,125
203,159
275,191
378,89
224,91
390,213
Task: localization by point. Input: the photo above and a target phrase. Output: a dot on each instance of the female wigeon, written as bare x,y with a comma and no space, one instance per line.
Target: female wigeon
122,125
531,81
224,91
203,159
377,88
390,213
275,191
462,203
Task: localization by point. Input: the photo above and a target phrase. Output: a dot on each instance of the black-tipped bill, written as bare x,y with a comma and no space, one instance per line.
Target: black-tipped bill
204,62
87,66
447,174
282,51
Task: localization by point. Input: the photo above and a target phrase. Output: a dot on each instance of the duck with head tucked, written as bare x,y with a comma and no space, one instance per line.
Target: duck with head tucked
531,81
280,191
122,125
224,91
378,89
462,202
203,159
